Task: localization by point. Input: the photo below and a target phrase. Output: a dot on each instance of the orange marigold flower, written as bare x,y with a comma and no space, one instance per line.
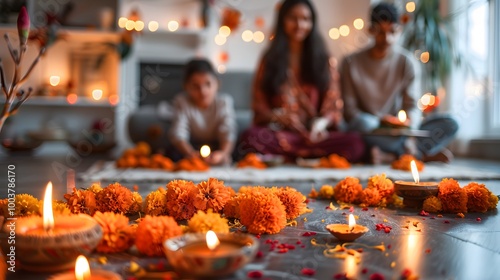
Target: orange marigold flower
203,222
493,201
403,163
192,164
326,191
117,234
348,190
478,197
95,188
211,194
58,207
180,199
432,204
136,206
152,231
337,161
453,198
261,211
156,203
114,198
25,205
251,160
231,209
370,197
293,201
382,184
313,193
81,201
142,149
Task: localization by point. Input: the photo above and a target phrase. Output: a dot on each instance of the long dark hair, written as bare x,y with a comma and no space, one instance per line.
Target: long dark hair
314,59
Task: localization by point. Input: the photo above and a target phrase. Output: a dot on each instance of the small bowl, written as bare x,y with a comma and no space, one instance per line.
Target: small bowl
39,251
414,194
342,232
202,264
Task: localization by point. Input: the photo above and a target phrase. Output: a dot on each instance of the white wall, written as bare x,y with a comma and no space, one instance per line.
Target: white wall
244,56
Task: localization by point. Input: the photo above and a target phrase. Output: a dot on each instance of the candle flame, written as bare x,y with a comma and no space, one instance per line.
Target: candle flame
48,215
82,268
205,151
352,222
402,116
212,240
414,171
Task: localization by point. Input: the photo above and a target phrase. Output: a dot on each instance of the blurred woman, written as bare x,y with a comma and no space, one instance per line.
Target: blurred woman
296,99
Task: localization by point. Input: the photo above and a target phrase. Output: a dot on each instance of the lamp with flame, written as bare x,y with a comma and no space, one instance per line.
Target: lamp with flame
48,215
82,268
414,172
212,240
205,151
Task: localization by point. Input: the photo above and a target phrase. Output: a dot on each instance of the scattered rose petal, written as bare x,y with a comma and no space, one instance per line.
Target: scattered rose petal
428,251
258,236
478,219
377,276
340,276
282,251
423,213
298,242
383,227
406,273
259,255
364,209
389,246
351,209
308,271
446,221
364,270
255,274
309,233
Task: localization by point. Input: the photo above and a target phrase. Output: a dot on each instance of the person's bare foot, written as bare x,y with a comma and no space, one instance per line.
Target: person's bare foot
445,156
380,157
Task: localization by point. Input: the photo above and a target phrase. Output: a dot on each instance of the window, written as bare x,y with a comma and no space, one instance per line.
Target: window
495,68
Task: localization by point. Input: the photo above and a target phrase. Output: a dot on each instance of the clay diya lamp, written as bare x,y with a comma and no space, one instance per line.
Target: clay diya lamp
211,255
53,244
414,193
347,232
83,272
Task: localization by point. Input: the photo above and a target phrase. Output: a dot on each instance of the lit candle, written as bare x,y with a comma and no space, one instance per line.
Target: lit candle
402,116
54,80
51,243
210,255
212,246
97,94
349,232
414,193
352,222
205,151
48,215
83,272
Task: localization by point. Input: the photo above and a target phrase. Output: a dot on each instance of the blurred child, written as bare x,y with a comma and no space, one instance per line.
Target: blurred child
202,116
